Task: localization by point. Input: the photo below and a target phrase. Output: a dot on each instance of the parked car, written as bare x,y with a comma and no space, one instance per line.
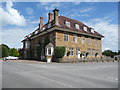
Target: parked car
10,58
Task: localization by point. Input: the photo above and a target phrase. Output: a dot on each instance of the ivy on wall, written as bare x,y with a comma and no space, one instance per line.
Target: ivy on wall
41,47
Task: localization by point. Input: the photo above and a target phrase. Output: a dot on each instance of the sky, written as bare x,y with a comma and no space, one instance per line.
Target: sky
21,18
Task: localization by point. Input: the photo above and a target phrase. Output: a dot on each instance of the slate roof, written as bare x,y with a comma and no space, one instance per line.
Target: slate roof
61,20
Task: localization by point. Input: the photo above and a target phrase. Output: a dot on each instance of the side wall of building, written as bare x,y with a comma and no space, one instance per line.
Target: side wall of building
35,42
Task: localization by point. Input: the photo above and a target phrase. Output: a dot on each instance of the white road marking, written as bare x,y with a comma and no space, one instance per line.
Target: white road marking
56,81
116,79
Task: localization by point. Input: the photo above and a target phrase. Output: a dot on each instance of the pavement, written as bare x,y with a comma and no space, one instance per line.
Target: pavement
59,75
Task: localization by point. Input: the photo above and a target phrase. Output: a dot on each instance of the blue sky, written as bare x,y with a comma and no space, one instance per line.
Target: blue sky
21,18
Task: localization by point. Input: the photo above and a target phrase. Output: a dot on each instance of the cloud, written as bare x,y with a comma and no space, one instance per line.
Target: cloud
76,3
29,10
35,21
77,15
86,10
108,29
11,16
49,5
13,37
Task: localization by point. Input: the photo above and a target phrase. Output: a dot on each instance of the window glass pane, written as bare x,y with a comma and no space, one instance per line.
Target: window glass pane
49,51
67,23
77,26
65,37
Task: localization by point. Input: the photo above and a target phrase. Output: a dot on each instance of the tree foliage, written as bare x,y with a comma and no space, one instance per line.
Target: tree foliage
13,52
59,51
109,53
4,50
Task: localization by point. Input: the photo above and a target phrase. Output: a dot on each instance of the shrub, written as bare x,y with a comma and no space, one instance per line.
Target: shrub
59,51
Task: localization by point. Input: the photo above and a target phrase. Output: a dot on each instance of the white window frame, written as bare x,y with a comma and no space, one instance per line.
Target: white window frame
75,39
71,50
77,50
77,26
43,29
66,37
36,32
85,28
92,30
67,23
51,51
83,39
96,41
27,44
89,40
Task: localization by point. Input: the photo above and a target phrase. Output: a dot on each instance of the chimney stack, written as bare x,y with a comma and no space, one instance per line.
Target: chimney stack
56,16
50,17
41,22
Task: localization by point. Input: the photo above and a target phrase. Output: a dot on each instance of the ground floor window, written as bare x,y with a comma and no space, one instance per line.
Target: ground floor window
49,51
71,51
77,50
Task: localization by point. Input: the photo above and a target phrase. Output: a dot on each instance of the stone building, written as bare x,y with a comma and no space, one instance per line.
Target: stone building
80,40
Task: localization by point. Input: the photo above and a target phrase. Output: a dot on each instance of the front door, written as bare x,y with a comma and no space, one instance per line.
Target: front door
78,54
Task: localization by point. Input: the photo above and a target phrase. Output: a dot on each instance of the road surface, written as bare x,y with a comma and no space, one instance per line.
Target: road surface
59,75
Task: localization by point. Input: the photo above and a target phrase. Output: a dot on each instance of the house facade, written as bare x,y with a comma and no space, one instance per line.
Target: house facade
79,40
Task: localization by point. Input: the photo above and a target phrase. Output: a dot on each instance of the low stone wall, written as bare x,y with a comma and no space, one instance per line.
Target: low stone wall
75,60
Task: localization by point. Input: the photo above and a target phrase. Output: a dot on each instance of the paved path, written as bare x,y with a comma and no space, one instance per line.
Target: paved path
59,75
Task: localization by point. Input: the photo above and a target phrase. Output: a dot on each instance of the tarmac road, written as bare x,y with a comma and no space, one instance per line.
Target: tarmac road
59,75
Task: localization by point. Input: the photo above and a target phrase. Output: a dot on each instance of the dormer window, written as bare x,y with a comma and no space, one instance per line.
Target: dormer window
67,23
92,30
29,35
85,28
49,25
77,26
43,29
36,32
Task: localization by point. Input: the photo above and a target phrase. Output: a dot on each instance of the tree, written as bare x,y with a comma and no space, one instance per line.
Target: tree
59,51
109,53
13,52
4,50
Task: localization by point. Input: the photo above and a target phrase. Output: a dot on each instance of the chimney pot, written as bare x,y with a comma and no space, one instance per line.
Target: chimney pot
41,22
56,16
50,17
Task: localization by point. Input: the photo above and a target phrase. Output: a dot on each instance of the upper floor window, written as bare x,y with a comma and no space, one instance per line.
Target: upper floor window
83,40
75,38
27,44
67,23
51,37
85,28
65,37
89,40
95,41
77,26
